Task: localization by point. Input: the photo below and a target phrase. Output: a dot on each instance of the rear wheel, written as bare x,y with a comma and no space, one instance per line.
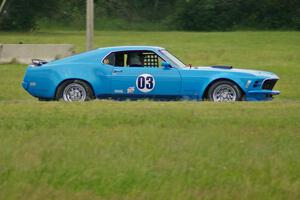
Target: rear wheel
224,91
74,91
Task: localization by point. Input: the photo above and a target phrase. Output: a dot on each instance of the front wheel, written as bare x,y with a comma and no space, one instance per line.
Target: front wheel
224,91
74,91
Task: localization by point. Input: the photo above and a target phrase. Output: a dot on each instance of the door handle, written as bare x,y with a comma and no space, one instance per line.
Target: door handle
117,70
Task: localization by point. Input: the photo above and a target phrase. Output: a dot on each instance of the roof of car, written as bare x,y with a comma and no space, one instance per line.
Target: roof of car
103,52
122,48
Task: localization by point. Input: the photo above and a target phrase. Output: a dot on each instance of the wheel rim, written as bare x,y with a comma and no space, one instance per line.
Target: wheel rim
225,93
74,92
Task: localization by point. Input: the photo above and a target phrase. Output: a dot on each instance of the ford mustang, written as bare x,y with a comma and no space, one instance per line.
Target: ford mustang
134,72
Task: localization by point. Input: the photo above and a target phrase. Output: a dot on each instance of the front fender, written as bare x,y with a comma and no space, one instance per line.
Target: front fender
240,82
196,82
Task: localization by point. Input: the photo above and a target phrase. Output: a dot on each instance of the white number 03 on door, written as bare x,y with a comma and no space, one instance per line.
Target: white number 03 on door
145,83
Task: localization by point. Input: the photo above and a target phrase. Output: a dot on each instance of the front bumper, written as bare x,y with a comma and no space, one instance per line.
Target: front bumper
261,95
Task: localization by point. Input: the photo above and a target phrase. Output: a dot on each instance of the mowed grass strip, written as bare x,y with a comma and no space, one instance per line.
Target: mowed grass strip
156,150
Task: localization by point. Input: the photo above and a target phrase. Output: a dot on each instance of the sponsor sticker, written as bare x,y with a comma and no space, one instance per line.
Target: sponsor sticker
130,90
119,91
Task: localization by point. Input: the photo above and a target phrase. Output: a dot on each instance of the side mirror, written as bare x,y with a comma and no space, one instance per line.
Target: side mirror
166,65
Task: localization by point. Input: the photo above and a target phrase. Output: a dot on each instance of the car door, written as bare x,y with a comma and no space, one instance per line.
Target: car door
144,79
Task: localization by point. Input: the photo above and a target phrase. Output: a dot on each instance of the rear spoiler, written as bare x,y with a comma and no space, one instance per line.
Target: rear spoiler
38,62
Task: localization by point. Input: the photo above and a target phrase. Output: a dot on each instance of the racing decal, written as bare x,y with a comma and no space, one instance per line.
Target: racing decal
130,90
145,83
118,91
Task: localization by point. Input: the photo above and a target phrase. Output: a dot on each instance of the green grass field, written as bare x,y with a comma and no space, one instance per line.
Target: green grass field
156,150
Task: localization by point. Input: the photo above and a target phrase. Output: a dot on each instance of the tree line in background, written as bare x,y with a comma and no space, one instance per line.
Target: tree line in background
193,15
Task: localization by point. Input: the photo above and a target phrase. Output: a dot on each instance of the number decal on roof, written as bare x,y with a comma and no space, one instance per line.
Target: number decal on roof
145,83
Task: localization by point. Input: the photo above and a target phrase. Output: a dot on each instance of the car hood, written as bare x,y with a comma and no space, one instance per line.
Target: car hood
229,70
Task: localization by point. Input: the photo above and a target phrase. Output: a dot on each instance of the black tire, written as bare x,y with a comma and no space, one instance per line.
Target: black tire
229,84
87,88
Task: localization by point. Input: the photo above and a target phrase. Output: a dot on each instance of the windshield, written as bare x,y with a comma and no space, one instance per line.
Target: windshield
174,61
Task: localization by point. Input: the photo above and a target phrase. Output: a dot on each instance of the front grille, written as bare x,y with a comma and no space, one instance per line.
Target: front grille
269,84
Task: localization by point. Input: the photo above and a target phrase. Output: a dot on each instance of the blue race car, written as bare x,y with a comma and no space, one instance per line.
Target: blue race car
134,72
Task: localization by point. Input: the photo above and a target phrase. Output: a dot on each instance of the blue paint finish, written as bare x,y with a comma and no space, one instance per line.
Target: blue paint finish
171,82
167,81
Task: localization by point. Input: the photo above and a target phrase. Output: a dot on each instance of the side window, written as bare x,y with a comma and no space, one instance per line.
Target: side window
110,59
115,59
133,59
